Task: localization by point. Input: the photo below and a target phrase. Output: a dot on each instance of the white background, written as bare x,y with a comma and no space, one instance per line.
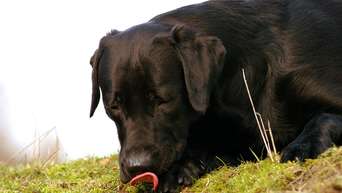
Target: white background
45,47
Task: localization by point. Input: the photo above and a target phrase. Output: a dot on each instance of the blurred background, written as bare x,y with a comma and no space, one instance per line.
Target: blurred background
45,76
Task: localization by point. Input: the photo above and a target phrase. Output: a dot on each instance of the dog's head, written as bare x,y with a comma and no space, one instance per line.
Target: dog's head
155,80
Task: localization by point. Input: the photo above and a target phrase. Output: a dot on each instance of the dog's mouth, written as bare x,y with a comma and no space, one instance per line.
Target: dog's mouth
150,178
147,177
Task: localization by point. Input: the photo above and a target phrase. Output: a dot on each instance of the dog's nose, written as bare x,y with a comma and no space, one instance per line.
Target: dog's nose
139,163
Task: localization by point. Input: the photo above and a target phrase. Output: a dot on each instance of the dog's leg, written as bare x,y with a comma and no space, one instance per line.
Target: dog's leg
313,96
320,133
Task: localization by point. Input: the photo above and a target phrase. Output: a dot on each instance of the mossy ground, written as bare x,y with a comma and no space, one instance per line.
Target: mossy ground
97,175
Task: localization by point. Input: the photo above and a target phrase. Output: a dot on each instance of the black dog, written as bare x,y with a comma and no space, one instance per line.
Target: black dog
175,90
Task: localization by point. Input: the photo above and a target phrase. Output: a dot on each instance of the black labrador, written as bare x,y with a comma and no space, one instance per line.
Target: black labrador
175,90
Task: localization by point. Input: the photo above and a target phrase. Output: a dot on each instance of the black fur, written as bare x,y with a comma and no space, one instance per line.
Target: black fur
175,90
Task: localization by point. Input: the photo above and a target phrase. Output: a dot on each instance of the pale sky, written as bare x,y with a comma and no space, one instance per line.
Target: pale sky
45,47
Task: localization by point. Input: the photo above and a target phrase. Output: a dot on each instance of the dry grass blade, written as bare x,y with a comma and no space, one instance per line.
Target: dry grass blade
263,129
33,143
51,158
271,150
271,136
206,186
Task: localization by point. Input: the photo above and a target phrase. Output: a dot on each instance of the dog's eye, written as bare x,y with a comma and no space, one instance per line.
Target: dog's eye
117,101
155,99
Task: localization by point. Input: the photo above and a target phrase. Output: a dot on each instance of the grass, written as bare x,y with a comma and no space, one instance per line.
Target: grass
93,175
101,175
318,175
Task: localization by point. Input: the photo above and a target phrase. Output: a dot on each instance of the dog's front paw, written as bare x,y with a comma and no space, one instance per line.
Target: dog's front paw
301,150
189,172
295,151
168,183
180,175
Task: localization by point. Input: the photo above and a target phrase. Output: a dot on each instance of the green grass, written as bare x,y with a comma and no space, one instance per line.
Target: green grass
97,175
93,175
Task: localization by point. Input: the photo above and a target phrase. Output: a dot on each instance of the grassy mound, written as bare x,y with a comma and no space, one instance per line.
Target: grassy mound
97,175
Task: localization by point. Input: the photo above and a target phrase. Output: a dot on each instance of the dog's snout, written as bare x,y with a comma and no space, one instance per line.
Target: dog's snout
137,163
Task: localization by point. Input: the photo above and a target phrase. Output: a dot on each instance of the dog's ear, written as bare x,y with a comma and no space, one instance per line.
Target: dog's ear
202,57
94,62
95,96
